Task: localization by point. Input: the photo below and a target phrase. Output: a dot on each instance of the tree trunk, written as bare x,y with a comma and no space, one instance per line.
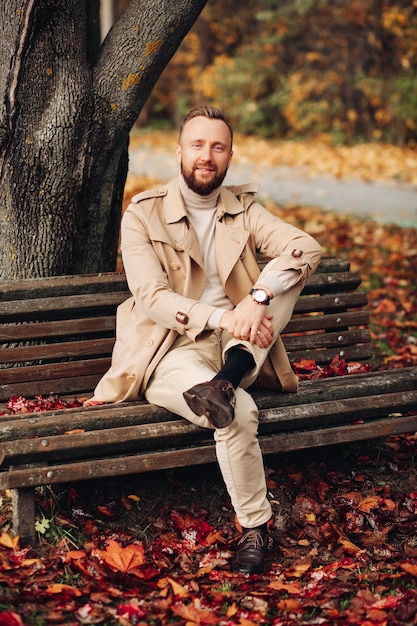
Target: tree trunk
68,105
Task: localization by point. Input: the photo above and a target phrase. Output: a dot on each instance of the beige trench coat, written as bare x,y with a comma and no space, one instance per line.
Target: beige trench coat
165,274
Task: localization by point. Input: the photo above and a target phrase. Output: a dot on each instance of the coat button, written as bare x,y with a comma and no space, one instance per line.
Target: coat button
175,266
296,253
149,343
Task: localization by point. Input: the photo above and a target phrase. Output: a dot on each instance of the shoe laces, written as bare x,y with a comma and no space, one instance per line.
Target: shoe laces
253,538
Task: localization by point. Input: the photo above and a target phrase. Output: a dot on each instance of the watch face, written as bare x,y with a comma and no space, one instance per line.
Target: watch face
260,295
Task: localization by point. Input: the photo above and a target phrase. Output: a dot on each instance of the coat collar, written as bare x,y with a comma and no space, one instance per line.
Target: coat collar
230,239
175,211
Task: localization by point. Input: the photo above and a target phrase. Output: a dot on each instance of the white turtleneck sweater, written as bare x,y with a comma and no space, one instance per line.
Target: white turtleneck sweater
201,211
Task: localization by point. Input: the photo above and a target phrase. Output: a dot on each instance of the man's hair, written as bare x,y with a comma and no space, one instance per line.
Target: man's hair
213,113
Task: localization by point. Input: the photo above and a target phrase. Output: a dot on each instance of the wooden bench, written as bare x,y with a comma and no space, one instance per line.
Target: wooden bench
56,336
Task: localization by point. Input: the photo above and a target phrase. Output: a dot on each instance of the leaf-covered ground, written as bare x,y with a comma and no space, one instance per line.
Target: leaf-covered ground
153,549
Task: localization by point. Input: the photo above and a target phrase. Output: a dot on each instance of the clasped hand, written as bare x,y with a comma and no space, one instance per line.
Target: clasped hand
249,321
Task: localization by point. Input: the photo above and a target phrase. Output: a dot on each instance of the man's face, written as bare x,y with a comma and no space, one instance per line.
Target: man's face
204,154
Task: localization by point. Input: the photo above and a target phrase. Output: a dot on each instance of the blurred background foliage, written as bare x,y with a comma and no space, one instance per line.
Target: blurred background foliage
342,71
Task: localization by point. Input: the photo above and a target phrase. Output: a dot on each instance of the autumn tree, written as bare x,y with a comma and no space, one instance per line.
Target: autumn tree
68,103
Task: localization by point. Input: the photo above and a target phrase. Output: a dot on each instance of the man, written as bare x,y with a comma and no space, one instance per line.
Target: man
203,323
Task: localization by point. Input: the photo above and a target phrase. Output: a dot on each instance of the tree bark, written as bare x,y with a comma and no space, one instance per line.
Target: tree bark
67,107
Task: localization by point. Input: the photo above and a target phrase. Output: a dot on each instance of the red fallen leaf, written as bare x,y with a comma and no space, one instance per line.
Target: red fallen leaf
20,404
322,490
358,368
308,368
197,532
389,602
130,611
9,618
305,365
123,560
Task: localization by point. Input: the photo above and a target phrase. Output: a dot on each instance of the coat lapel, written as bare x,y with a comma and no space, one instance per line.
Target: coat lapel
231,237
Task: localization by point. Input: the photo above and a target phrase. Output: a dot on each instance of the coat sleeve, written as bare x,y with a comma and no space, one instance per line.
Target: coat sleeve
288,247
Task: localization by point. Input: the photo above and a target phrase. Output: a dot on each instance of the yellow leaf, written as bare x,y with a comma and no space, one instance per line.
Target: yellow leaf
8,541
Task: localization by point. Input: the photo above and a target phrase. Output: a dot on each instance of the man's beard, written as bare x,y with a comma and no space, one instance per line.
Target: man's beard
203,189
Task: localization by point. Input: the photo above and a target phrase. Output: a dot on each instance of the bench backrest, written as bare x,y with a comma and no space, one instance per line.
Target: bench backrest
57,334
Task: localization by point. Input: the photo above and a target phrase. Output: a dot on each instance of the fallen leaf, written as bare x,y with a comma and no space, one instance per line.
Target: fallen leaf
124,560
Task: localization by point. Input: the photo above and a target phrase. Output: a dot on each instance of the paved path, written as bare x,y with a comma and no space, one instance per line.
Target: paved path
384,202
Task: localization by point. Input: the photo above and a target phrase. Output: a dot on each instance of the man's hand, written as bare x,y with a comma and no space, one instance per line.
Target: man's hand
249,321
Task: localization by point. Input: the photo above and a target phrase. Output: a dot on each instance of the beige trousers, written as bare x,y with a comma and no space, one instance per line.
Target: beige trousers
237,447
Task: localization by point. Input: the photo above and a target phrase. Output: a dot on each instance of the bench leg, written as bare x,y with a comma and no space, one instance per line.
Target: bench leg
23,504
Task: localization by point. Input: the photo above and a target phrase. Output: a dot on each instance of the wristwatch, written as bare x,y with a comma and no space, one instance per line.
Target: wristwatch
260,296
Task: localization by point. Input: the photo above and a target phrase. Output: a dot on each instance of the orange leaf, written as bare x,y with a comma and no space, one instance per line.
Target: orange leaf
122,559
194,615
349,546
75,555
8,541
278,585
298,569
59,588
290,604
409,568
367,504
178,590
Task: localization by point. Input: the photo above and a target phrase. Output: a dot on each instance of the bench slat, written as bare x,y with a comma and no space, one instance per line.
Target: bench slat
331,302
78,385
91,347
60,306
179,431
122,414
62,285
344,319
56,351
198,455
15,310
326,340
14,333
362,354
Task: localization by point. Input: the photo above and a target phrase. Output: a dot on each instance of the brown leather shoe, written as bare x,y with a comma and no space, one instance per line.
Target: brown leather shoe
251,551
214,399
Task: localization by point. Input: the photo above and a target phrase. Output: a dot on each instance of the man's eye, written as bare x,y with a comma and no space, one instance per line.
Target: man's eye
218,148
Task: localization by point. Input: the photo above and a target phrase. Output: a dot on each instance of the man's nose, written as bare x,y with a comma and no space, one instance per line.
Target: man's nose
205,154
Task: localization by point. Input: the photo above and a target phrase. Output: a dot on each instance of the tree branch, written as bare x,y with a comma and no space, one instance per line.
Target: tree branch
133,55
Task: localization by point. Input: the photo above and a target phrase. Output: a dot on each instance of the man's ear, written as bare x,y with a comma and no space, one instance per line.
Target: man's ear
179,153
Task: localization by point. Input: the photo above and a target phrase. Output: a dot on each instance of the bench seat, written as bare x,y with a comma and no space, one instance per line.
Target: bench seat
56,337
